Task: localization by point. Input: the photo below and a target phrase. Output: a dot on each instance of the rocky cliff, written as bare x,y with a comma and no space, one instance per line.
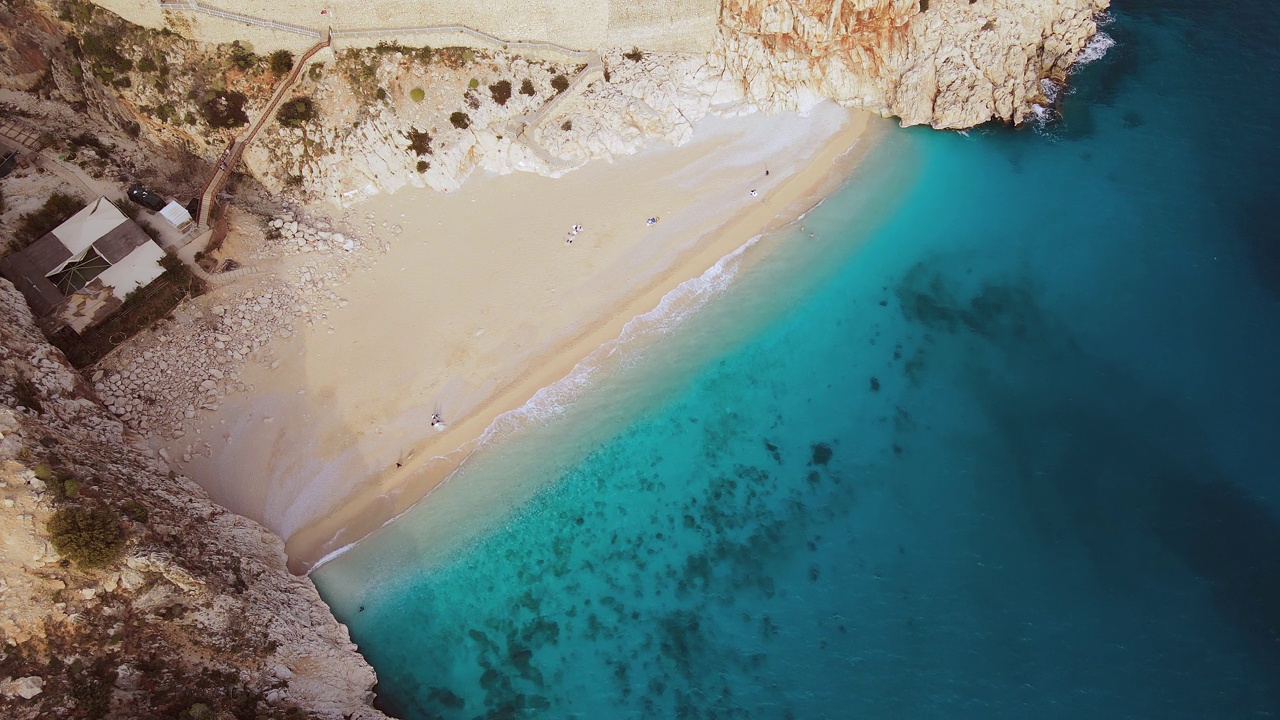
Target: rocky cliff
125,592
948,63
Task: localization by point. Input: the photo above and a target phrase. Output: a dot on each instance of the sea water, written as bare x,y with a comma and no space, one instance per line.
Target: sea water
1000,440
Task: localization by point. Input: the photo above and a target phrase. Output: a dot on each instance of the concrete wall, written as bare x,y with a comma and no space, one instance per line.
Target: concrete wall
671,25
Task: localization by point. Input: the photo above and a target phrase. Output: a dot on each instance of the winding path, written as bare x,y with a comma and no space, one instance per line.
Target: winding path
236,149
520,127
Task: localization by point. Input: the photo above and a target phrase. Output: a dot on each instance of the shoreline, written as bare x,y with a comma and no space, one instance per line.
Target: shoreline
388,497
476,304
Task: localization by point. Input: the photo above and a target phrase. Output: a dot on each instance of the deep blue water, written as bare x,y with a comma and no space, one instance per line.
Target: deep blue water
1011,452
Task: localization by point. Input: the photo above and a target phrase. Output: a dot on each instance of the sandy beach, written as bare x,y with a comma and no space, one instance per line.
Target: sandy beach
478,304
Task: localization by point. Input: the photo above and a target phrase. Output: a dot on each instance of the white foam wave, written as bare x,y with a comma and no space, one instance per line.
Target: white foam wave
550,402
333,555
1095,49
675,308
1051,90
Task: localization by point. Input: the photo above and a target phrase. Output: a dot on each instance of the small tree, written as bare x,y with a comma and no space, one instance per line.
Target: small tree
460,120
281,62
417,94
91,538
526,87
560,83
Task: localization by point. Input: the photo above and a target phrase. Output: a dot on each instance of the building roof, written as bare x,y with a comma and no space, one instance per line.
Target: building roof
100,230
176,214
47,253
82,229
122,240
27,270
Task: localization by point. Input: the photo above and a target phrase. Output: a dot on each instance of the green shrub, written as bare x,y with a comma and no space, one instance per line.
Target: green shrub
473,84
560,83
225,110
103,53
281,62
417,94
567,126
381,94
297,112
526,88
241,57
460,120
146,64
33,225
316,71
90,538
501,91
135,511
63,485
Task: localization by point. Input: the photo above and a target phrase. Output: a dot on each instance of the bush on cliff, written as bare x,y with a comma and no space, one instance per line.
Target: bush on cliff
33,225
281,62
501,91
297,112
419,142
91,538
241,57
225,110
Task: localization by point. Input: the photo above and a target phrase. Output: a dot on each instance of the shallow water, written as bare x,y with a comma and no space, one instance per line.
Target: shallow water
998,442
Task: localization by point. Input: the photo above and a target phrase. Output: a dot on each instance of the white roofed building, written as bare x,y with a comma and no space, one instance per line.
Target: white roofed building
177,216
81,271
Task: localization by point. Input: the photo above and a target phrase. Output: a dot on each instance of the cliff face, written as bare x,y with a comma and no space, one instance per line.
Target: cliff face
948,63
192,613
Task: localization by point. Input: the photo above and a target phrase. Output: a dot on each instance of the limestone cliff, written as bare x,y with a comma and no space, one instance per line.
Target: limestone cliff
192,612
948,63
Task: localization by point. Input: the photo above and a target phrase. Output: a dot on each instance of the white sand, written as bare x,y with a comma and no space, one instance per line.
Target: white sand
480,303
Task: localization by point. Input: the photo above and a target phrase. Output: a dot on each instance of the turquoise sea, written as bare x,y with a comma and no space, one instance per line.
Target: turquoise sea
1000,441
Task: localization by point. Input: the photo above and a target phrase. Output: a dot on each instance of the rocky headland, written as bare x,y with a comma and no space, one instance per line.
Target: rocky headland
125,591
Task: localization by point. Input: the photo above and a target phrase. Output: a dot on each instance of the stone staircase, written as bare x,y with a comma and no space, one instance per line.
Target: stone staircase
236,150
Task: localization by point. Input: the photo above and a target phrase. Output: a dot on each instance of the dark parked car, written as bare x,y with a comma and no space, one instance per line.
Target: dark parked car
146,198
